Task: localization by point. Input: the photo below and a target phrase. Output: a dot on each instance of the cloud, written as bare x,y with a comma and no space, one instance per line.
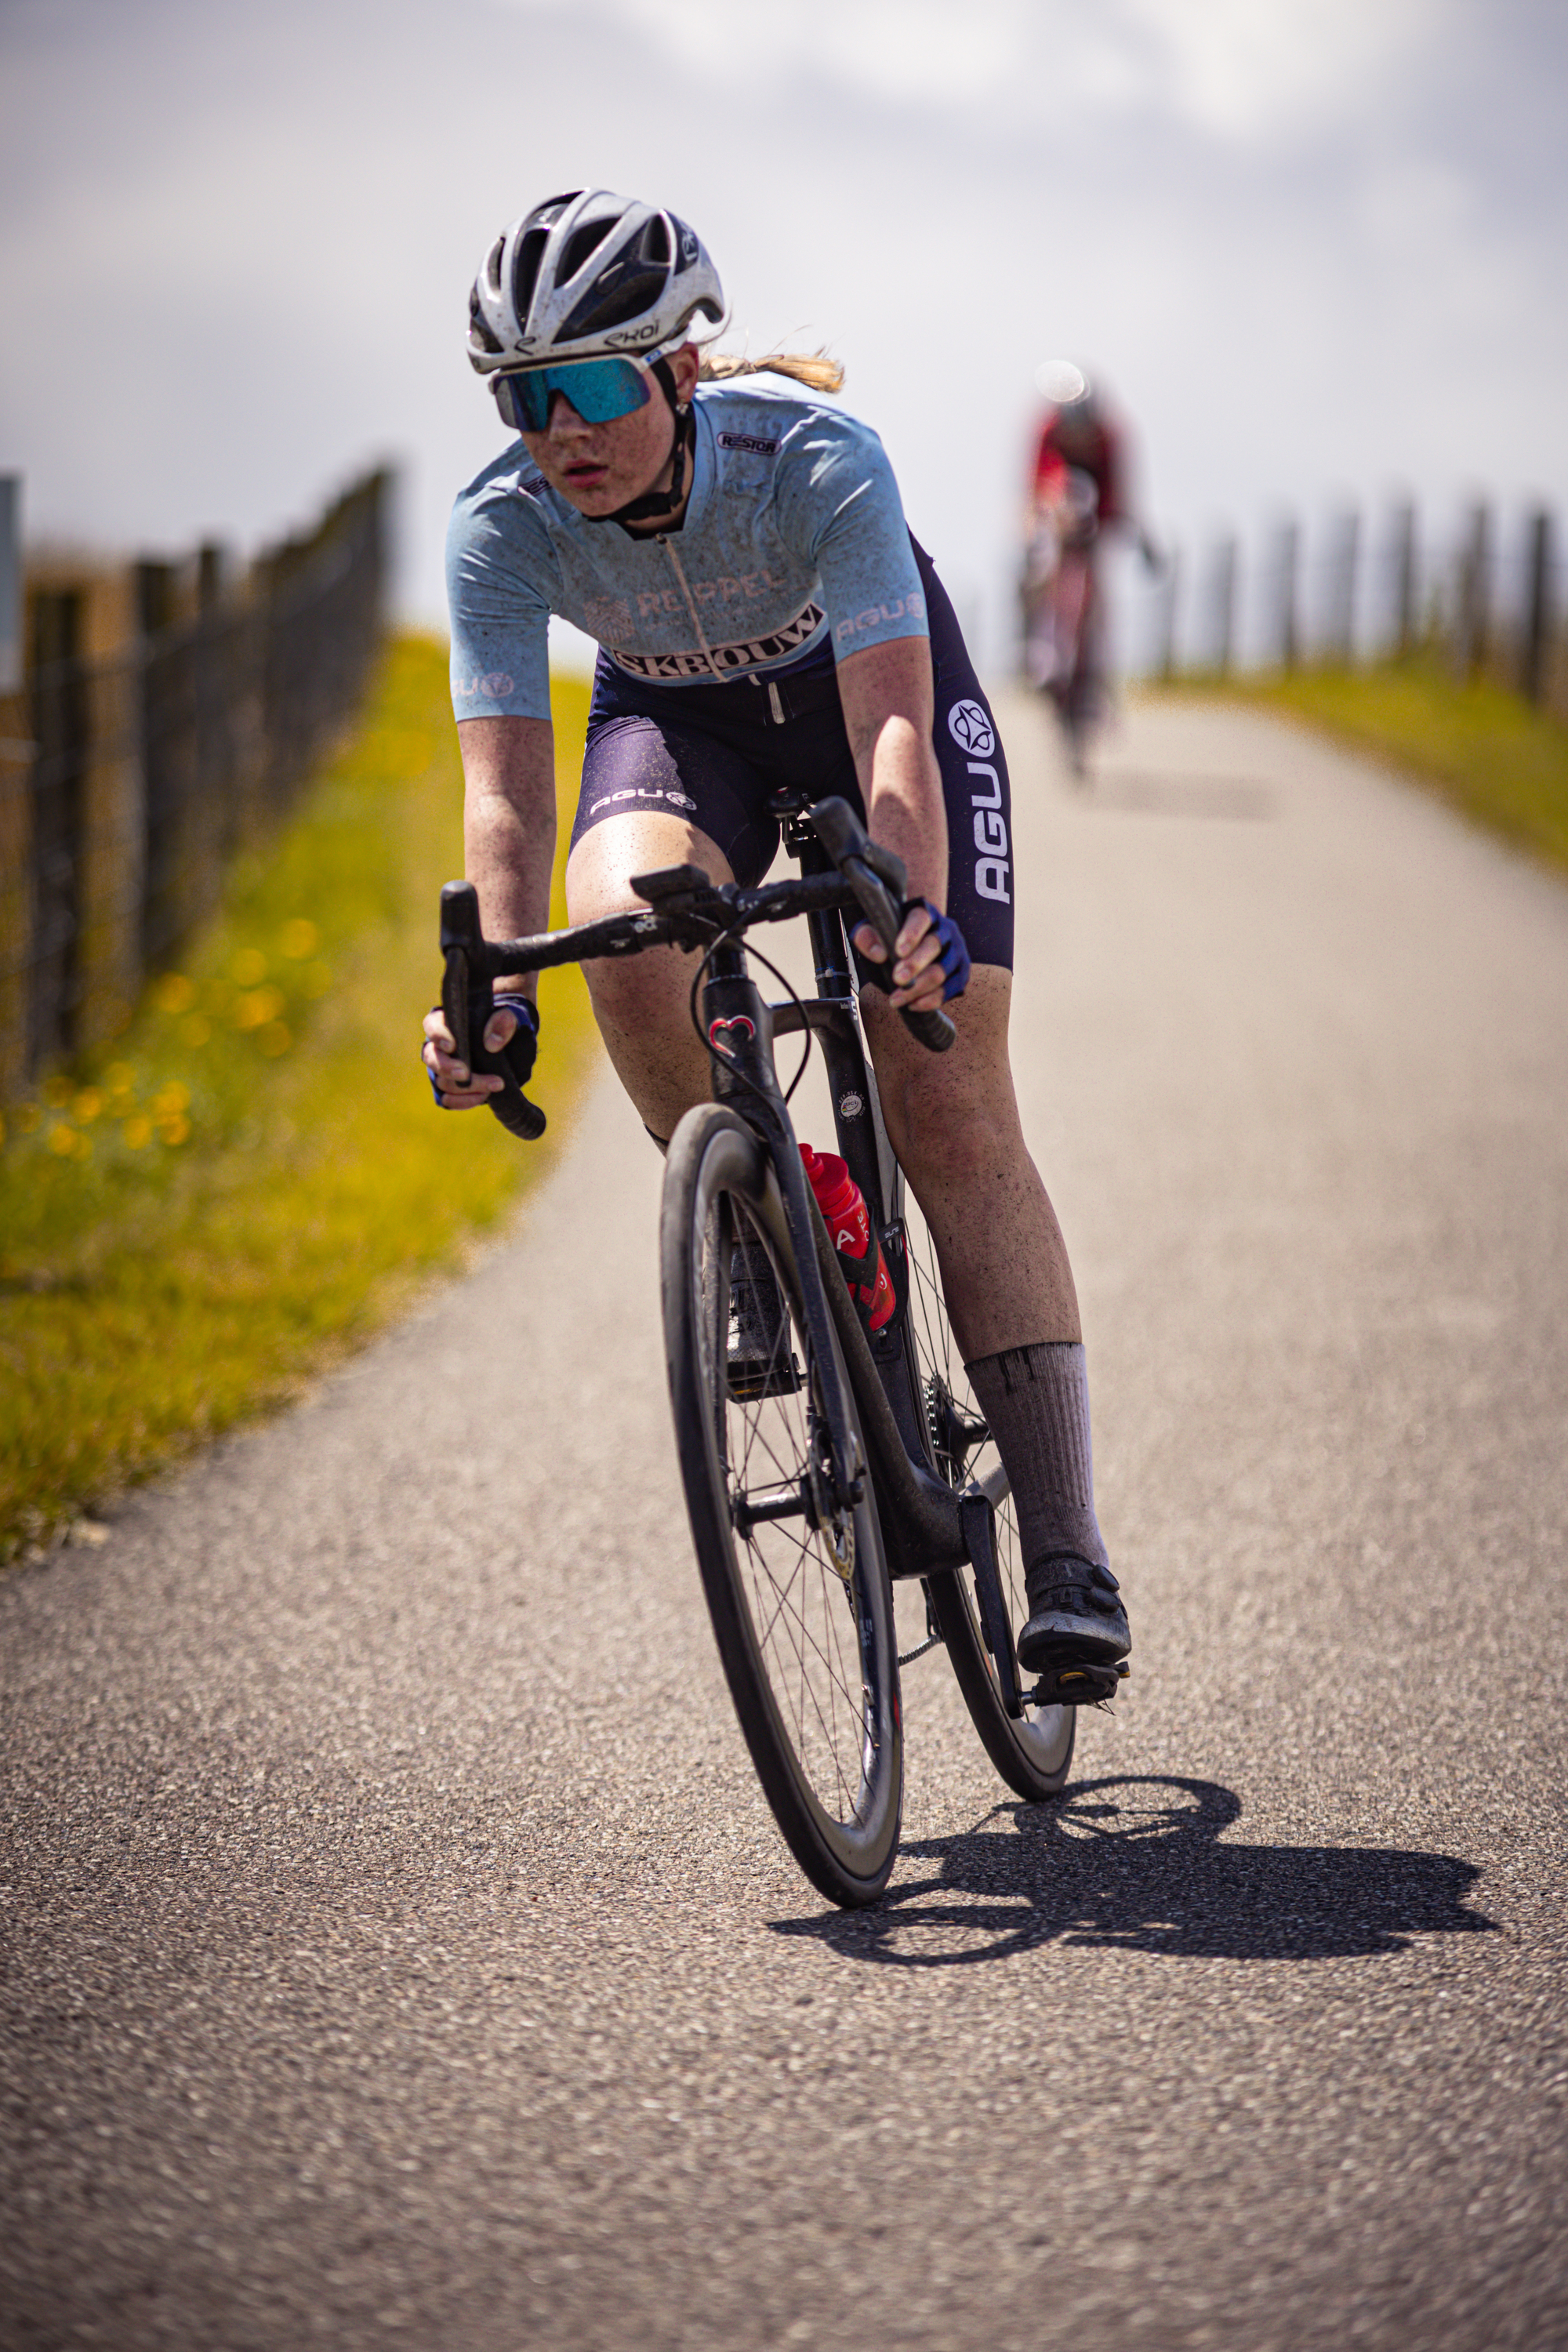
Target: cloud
1234,69
1309,246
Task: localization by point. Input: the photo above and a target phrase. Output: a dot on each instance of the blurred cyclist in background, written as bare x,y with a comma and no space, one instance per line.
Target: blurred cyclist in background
1076,490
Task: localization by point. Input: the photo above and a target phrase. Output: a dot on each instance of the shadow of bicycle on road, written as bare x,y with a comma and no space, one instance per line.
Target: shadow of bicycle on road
1136,1865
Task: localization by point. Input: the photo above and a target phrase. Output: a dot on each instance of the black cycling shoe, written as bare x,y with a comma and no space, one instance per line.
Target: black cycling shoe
1076,1638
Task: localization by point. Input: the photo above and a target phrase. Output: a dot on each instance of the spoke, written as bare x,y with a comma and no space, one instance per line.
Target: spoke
789,1624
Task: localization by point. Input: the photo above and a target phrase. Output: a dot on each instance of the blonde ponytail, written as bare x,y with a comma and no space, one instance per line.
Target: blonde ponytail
814,369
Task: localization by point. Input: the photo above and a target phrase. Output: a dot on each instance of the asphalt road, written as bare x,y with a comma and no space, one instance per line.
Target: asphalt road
398,1951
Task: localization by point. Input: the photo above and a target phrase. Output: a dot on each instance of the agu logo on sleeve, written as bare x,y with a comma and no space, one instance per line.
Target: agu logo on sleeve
971,729
970,726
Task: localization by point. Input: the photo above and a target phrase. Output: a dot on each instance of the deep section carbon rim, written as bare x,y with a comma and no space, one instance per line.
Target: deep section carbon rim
796,1584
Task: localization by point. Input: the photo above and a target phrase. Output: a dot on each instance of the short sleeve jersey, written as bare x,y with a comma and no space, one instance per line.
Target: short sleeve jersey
793,539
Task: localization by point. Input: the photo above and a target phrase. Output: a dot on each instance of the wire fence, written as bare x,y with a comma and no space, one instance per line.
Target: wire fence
167,714
1488,598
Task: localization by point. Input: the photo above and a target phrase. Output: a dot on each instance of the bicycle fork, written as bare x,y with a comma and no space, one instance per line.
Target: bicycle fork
738,1026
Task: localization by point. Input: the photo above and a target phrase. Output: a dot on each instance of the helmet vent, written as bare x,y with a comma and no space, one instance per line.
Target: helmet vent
546,215
530,247
655,242
582,242
615,298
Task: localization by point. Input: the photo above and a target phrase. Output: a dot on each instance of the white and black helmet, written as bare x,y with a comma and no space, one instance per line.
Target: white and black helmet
586,275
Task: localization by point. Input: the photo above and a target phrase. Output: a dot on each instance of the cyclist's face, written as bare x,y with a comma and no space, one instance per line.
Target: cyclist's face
600,468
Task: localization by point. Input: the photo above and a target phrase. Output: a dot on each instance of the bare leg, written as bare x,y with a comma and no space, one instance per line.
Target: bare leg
642,1006
953,1121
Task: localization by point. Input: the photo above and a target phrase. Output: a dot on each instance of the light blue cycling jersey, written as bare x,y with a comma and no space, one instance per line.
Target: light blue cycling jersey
793,539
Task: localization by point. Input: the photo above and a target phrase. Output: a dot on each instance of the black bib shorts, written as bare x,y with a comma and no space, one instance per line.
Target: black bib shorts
712,754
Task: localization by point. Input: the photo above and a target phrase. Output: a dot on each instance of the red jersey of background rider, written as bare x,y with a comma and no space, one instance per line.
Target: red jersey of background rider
1100,458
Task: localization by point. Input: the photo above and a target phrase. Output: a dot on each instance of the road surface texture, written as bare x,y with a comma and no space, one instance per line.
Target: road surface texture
399,1950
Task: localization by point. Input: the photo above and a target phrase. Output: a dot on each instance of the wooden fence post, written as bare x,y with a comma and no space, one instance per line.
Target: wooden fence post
1167,665
1225,605
16,760
113,836
1403,552
1537,633
1473,602
1288,626
1341,612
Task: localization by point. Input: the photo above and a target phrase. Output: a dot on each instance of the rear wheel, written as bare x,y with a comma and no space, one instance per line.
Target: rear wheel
796,1586
1032,1752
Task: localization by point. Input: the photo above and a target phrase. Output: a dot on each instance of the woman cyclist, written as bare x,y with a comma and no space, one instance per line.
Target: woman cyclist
739,553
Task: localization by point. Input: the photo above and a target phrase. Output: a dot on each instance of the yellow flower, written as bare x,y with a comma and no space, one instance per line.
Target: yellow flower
249,966
275,1038
174,993
62,1139
258,1007
87,1104
299,938
138,1132
176,1129
174,1096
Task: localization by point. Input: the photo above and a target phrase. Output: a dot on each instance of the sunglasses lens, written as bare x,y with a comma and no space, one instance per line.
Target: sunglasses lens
599,390
602,389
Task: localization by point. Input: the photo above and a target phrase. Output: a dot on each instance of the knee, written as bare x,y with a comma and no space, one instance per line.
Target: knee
957,1135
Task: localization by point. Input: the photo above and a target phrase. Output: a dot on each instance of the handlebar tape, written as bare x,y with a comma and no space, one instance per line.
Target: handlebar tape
879,880
465,993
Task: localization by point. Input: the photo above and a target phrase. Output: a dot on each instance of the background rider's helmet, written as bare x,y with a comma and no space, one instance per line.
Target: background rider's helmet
585,276
1063,382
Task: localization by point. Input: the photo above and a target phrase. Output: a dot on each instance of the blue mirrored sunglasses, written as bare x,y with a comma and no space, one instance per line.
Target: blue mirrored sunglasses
598,390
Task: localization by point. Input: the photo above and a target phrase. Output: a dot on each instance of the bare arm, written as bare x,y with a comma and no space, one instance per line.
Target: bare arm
888,703
508,850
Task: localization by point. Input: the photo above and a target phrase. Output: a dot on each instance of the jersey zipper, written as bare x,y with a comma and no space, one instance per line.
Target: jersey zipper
691,604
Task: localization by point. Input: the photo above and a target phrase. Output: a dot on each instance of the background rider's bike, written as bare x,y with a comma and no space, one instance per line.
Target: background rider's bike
1059,593
825,1466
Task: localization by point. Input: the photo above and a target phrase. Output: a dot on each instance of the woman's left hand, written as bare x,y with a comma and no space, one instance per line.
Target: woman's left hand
930,960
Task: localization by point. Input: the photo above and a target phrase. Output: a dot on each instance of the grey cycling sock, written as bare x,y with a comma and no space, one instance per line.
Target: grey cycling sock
1035,1400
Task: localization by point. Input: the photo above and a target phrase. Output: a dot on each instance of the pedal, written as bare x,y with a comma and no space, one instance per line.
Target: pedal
751,1378
1077,1685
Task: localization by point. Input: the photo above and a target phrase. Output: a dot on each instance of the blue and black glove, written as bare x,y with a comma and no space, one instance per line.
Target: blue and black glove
953,956
515,1058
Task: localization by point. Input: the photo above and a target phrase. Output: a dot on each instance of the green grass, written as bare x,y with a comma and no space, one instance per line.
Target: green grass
254,1179
1487,751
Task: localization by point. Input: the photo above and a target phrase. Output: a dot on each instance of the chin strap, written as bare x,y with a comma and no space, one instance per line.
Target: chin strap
655,505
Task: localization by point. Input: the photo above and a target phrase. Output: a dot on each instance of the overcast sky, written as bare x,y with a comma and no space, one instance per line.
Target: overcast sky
1315,249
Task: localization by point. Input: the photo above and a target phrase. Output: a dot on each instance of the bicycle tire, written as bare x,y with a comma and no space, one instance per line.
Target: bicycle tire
1034,1753
809,1649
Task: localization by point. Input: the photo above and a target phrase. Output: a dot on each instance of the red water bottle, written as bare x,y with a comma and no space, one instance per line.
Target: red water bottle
844,1213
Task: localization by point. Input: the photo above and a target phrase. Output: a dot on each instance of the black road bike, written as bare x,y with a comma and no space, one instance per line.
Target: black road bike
822,1462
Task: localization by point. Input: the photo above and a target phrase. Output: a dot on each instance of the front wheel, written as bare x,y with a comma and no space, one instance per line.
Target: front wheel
796,1586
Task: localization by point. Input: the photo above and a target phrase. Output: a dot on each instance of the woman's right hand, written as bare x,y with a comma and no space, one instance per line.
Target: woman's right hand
456,1087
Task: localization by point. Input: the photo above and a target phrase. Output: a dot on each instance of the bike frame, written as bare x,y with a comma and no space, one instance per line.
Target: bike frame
929,1527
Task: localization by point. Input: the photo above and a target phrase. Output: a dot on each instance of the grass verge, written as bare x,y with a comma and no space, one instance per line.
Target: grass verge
253,1180
1487,751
